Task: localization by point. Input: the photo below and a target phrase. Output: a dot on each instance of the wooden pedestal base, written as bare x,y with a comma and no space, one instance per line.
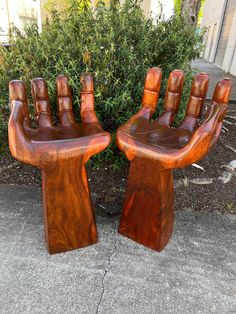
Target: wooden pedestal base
61,152
148,211
69,221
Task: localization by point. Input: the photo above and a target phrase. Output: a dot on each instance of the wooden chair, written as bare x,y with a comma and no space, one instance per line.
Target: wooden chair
154,148
61,152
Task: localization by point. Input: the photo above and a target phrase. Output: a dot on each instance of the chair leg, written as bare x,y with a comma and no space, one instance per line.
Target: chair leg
148,211
69,220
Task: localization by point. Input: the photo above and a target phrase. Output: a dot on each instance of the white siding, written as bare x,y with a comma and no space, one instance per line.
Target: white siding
4,22
211,19
221,35
230,55
233,64
225,32
18,13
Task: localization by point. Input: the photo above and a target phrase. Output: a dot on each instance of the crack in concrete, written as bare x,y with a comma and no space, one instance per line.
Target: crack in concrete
106,270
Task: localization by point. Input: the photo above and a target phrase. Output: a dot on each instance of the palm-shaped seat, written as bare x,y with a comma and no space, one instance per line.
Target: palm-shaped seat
155,148
61,152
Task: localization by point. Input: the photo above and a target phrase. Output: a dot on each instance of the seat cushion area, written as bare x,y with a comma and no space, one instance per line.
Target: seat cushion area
58,133
152,133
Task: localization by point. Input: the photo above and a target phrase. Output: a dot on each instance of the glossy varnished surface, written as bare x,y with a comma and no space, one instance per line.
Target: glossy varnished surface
151,133
155,148
68,213
148,212
82,131
61,152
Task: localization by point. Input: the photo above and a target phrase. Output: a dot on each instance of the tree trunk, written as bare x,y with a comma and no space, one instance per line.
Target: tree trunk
191,8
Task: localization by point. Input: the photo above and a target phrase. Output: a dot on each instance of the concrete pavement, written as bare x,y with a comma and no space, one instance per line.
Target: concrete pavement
216,74
196,273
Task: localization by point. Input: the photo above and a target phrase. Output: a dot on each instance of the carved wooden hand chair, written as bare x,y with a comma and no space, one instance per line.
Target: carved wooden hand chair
61,152
155,148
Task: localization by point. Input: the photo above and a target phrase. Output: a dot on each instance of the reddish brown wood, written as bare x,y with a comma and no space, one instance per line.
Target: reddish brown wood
61,152
154,149
148,214
172,99
196,101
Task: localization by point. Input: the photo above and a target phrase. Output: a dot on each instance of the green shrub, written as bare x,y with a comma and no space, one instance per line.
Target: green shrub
117,44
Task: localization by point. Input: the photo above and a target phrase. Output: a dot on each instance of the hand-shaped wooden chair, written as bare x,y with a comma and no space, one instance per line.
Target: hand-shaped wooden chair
61,152
155,148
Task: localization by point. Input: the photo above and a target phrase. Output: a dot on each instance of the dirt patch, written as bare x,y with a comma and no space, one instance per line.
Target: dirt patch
108,186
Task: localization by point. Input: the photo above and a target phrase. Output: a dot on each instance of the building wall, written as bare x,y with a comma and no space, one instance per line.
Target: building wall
19,14
22,12
4,24
213,15
229,64
146,6
211,21
150,7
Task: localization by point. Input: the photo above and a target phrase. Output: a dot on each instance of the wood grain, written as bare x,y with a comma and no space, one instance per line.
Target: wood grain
172,98
61,152
68,212
154,148
148,212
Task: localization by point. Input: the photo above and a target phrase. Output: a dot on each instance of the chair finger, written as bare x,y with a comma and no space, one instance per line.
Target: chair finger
87,99
172,97
64,101
219,102
216,111
222,91
220,98
17,91
41,102
152,87
196,101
